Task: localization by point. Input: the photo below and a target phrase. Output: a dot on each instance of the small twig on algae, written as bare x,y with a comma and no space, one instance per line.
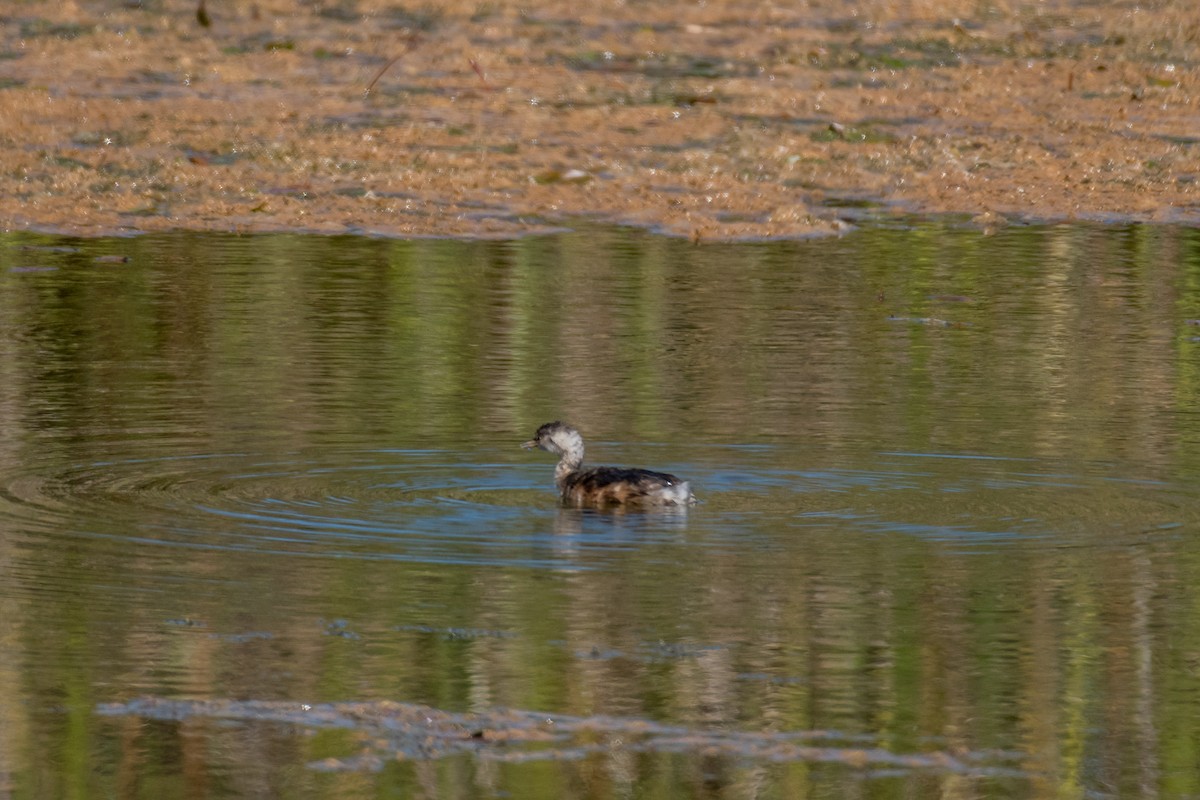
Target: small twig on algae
479,71
412,40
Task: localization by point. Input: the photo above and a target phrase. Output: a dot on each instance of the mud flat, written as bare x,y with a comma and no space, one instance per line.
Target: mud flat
721,119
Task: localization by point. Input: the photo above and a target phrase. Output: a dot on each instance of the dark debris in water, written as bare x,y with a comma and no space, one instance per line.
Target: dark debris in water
390,731
648,652
456,634
243,638
340,627
49,248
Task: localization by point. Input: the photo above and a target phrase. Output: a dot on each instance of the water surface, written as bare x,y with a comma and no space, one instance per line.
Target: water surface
265,528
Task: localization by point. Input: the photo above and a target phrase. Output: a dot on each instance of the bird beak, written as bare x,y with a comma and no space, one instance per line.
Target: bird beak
532,443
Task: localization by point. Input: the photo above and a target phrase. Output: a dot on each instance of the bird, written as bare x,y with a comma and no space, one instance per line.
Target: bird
582,486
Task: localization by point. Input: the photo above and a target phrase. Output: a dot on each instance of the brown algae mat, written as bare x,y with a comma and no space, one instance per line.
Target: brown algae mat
719,119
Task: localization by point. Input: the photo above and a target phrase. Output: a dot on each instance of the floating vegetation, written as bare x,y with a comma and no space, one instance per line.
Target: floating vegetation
341,628
49,248
243,638
933,322
649,652
390,731
454,634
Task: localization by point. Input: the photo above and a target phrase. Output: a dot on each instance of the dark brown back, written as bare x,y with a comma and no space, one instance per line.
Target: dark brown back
614,485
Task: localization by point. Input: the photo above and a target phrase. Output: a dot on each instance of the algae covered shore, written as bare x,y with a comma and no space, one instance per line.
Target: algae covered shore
721,119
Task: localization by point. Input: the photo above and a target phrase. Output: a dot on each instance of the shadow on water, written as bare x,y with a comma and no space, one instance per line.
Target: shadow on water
946,535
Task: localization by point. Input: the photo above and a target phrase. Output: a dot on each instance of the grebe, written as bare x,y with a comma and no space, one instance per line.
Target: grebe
603,486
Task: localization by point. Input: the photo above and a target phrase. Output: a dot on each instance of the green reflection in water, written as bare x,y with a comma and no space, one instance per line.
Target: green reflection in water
949,483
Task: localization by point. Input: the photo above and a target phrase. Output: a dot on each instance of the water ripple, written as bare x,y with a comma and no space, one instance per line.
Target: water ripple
443,507
423,506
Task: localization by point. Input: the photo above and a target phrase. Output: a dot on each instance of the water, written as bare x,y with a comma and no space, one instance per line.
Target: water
266,530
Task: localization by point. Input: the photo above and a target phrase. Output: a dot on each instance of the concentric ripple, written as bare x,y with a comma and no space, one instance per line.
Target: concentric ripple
408,505
436,506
